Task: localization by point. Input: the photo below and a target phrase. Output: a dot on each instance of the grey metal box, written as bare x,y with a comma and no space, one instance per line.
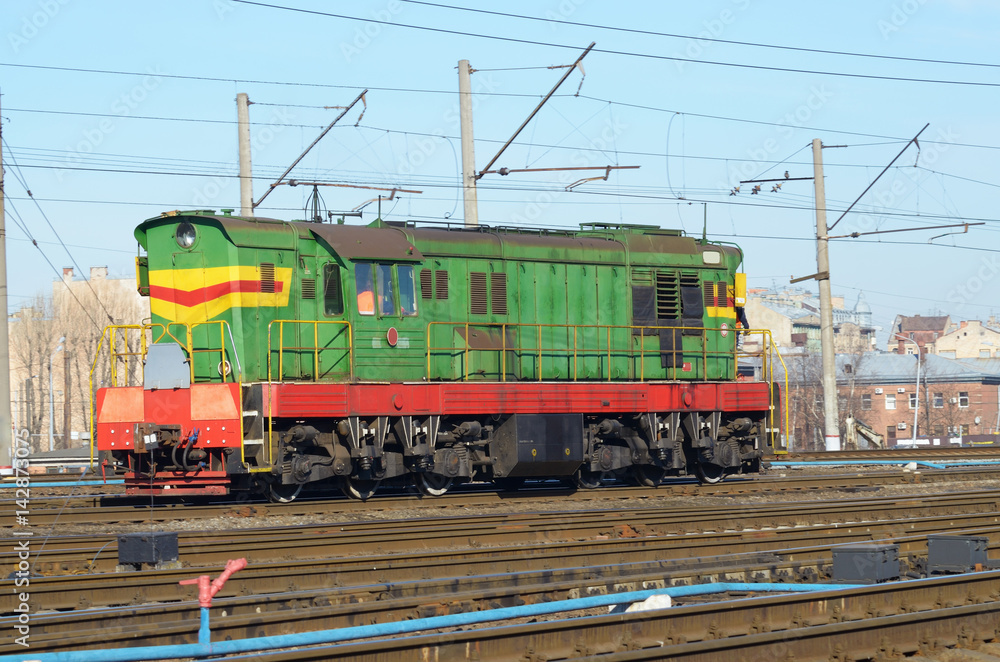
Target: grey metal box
865,563
157,547
539,445
947,553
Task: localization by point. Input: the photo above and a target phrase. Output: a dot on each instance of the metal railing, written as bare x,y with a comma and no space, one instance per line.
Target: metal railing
316,351
315,348
128,344
629,351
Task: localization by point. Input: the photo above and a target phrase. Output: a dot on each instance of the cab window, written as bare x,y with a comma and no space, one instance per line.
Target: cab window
365,282
407,290
386,301
379,285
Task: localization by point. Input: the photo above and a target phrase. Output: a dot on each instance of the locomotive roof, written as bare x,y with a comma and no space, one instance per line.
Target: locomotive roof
406,242
363,242
606,245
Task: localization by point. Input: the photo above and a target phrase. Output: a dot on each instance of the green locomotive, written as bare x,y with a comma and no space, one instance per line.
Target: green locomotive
359,354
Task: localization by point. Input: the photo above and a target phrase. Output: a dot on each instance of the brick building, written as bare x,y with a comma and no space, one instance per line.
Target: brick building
909,333
792,316
956,398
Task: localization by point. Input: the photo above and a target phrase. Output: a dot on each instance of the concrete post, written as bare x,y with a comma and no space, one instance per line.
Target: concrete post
468,147
830,405
6,430
246,171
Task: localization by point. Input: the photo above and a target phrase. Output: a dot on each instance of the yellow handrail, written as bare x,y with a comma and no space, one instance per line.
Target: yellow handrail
766,353
573,348
315,348
114,332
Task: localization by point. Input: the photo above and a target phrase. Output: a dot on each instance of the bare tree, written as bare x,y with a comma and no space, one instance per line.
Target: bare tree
33,337
77,315
805,400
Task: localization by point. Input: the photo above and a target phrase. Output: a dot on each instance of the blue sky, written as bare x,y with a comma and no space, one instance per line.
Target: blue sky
156,130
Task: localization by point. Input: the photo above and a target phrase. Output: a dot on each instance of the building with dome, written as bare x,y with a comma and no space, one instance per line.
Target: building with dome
792,315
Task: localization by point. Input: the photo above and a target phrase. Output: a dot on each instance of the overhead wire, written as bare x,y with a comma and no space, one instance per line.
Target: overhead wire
24,228
651,56
541,189
784,125
16,171
715,40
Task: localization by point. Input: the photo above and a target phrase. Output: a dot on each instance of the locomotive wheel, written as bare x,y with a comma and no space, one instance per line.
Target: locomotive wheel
586,479
646,475
431,484
710,474
283,493
359,489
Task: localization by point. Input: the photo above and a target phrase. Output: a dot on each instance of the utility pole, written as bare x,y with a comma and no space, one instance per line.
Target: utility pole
831,416
67,402
52,395
468,146
6,432
246,178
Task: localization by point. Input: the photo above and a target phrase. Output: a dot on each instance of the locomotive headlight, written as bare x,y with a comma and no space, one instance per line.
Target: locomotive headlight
186,235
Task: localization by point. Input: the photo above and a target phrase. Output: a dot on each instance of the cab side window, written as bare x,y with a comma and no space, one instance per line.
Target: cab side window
386,300
407,290
379,285
365,283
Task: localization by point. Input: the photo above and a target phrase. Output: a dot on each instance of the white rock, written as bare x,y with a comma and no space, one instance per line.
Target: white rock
661,601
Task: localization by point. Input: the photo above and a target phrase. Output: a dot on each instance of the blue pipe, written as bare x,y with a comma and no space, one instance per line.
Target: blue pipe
204,632
66,483
401,627
920,463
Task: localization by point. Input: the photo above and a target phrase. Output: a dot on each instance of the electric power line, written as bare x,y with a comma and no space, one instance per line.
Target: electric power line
651,56
697,38
451,184
24,228
21,179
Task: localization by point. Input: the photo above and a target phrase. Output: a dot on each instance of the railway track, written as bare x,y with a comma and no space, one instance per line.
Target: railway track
530,562
353,600
931,453
877,622
416,568
79,554
131,510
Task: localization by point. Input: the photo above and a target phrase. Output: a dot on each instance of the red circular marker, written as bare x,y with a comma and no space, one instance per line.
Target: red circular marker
392,336
686,399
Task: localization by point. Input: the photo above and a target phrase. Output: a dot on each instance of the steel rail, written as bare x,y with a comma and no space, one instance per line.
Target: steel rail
243,617
88,509
81,553
877,622
805,544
